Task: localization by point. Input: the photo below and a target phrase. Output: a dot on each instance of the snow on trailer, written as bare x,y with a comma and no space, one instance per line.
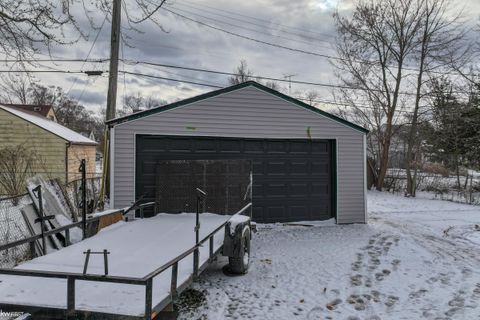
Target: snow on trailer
135,285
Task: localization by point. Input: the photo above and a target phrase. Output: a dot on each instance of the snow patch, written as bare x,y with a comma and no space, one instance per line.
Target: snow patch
235,220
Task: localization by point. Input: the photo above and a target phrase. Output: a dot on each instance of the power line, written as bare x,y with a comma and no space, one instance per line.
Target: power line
234,74
249,29
47,71
304,36
88,55
256,24
56,60
220,87
250,38
213,72
320,84
261,20
326,56
171,79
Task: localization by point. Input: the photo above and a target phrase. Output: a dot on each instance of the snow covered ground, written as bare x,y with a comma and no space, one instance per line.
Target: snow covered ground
416,259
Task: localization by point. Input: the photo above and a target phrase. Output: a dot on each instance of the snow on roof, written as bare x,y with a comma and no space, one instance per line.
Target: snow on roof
51,126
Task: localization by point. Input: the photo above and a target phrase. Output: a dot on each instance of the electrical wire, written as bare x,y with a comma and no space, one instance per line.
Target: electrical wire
89,52
259,19
318,54
283,80
249,29
304,36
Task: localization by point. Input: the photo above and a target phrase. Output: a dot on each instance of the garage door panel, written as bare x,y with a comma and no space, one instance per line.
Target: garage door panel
298,147
299,211
210,146
319,168
258,191
276,213
230,146
299,190
321,147
275,190
254,146
277,147
180,145
321,212
299,167
291,178
258,167
320,189
276,167
257,213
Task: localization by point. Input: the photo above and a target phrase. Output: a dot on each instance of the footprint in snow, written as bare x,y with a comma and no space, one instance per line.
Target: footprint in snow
417,294
356,280
359,301
476,290
391,300
315,313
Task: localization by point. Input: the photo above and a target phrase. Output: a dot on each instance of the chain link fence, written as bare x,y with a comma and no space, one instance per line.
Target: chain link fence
73,193
12,228
444,187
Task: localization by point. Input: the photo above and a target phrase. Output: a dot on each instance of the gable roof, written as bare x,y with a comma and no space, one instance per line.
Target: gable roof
50,126
215,93
42,110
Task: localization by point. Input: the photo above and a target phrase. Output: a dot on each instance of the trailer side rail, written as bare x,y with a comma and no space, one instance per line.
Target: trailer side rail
146,281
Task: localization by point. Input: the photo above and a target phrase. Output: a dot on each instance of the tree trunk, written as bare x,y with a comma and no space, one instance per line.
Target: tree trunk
412,135
457,171
384,158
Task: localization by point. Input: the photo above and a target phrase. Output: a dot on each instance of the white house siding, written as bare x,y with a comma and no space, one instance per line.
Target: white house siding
249,113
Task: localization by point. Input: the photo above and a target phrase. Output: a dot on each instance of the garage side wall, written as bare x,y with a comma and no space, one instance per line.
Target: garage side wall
249,113
46,149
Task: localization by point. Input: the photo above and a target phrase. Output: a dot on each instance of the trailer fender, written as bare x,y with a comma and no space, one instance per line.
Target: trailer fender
237,244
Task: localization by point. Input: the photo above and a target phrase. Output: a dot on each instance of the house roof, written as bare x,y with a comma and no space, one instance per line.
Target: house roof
50,126
30,108
211,94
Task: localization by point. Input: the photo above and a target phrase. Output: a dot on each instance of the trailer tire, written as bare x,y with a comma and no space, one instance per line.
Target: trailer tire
239,265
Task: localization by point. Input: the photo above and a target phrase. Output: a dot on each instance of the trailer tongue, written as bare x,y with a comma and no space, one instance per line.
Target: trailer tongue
150,262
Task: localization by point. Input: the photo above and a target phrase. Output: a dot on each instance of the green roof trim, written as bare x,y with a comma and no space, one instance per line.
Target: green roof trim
215,93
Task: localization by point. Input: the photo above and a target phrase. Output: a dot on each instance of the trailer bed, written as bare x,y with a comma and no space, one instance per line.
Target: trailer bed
136,249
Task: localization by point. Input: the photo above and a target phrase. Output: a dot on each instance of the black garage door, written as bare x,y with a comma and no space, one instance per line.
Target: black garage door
293,180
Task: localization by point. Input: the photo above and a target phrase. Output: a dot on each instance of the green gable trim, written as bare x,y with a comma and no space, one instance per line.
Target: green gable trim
215,93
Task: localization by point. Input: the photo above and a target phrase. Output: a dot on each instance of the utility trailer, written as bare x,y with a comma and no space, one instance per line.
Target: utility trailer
142,267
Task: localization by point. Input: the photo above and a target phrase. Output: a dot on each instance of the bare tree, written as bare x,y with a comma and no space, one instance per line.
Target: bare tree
271,84
440,38
374,46
311,96
137,102
14,88
242,74
16,166
27,27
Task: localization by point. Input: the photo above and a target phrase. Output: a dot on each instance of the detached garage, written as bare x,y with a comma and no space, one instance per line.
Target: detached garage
306,164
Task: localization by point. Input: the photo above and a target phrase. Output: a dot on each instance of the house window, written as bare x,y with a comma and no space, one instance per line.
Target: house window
37,109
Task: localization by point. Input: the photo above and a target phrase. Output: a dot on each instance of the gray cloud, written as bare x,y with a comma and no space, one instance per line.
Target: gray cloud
188,44
89,97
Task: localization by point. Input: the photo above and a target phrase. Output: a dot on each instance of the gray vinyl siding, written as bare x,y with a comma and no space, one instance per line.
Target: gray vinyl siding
247,113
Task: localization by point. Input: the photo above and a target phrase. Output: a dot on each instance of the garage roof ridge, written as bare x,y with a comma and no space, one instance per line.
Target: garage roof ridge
211,94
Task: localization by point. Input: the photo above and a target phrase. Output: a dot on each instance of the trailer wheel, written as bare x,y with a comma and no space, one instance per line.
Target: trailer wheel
239,265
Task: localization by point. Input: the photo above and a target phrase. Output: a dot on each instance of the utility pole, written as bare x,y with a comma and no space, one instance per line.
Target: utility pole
289,77
111,95
114,49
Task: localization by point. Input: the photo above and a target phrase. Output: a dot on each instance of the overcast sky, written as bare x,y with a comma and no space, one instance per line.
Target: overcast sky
302,24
